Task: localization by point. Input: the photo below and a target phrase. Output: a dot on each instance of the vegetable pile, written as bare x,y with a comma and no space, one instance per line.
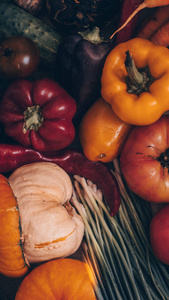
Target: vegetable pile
84,149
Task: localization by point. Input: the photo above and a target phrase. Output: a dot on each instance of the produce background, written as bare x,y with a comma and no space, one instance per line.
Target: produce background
10,285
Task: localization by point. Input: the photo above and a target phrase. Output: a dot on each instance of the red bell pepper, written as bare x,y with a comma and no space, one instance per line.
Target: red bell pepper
38,114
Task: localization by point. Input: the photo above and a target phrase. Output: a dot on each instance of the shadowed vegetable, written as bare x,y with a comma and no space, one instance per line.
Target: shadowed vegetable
72,161
60,279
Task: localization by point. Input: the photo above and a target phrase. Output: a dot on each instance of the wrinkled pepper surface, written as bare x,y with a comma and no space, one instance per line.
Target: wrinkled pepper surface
102,133
79,65
72,161
135,81
38,114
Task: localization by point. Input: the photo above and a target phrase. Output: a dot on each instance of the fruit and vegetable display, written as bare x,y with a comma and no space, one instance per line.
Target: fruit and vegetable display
84,150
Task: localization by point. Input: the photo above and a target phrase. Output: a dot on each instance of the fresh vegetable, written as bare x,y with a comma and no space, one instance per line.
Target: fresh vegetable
159,234
102,133
135,81
19,57
153,22
32,6
72,161
51,228
160,37
70,15
58,279
118,248
144,4
39,225
127,33
144,161
80,61
12,259
15,21
156,26
39,114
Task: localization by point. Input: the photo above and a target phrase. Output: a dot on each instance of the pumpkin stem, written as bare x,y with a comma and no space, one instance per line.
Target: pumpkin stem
33,118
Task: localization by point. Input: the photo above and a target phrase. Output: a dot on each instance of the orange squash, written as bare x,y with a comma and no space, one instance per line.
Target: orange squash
12,261
102,133
61,279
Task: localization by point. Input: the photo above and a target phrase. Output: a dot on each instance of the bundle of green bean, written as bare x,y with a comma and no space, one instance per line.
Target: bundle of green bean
118,248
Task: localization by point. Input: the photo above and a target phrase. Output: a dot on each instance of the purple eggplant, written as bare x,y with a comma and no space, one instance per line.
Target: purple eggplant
79,65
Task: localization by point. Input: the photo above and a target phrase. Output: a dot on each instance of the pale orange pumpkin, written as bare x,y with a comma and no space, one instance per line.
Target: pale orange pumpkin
61,279
12,261
37,221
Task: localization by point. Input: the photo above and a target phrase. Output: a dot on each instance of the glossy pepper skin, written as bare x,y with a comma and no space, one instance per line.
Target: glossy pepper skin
145,104
79,65
72,161
38,114
101,132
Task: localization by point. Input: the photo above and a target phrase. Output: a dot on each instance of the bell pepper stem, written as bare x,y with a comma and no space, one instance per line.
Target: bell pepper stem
138,81
33,118
93,35
135,76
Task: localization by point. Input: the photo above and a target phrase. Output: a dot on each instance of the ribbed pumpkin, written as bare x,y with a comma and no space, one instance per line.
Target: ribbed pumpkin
37,221
51,227
12,262
61,279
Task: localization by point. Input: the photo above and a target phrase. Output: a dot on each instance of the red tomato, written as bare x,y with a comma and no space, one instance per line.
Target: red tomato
159,234
144,161
19,57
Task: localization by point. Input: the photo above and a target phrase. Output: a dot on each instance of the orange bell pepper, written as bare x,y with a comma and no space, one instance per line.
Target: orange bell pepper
135,81
102,133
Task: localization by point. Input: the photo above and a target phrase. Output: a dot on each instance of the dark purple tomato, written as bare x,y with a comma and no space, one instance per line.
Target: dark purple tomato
19,57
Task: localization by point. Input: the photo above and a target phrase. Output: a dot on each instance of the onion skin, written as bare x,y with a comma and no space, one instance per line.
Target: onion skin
31,6
71,15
